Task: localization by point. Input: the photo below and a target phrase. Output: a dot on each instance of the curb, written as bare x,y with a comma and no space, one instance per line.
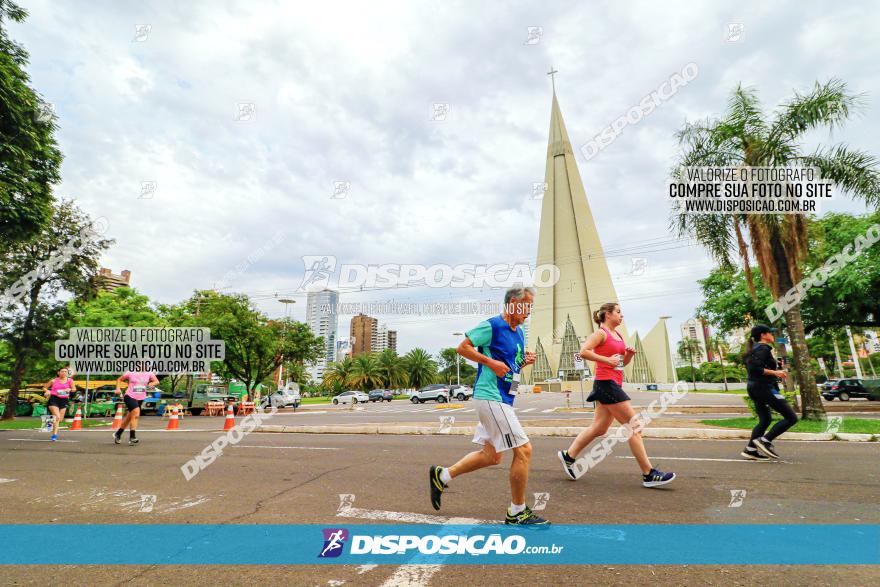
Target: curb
565,431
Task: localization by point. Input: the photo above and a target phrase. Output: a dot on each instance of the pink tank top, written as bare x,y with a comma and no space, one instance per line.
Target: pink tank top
59,388
611,346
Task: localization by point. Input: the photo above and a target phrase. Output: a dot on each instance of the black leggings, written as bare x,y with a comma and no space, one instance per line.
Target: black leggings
765,399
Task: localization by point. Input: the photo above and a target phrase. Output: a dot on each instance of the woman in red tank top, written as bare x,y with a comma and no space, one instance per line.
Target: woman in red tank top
607,349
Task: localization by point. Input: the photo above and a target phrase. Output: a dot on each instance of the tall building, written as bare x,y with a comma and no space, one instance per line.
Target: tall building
322,318
106,280
697,329
562,315
384,339
364,330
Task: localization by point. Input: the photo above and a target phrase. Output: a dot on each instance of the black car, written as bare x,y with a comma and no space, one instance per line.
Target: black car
843,389
378,395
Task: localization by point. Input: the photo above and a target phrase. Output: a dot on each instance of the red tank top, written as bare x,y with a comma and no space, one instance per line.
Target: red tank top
611,346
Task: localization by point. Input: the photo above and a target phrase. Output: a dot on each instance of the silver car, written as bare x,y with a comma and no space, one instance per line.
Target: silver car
436,392
351,397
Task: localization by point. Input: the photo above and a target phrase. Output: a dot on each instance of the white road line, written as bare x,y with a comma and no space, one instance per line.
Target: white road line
295,447
7,480
528,410
40,440
699,459
470,411
547,411
404,575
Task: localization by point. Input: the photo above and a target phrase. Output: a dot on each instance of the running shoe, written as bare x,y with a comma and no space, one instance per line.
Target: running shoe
766,447
437,486
132,441
657,478
567,464
525,518
117,436
53,438
754,455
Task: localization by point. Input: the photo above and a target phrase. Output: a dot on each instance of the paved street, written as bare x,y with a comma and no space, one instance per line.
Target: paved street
291,478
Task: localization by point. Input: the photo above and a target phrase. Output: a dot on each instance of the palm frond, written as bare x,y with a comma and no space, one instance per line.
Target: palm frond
856,172
828,105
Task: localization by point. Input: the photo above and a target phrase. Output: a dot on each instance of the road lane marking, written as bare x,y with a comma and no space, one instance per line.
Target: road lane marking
347,510
547,411
296,447
526,411
40,440
7,480
704,459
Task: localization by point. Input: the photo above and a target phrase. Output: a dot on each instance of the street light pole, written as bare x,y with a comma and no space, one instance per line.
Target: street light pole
457,361
286,303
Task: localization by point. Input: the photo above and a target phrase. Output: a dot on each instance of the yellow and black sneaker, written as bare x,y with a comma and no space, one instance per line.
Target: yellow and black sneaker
437,486
525,518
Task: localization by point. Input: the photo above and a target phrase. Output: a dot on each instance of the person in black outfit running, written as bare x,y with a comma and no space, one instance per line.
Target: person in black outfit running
763,388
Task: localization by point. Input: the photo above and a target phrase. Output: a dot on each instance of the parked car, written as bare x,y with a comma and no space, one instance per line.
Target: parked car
843,389
461,392
351,397
436,392
377,395
288,396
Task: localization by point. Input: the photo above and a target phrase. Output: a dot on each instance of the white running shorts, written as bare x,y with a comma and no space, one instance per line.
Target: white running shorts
498,426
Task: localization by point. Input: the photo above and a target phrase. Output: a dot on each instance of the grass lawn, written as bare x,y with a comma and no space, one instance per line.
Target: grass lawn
853,425
729,391
315,400
34,423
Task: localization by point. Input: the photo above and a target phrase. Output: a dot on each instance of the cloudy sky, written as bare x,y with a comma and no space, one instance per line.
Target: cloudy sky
344,91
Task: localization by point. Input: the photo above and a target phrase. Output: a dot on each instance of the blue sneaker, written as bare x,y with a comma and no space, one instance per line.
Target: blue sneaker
53,438
657,478
525,518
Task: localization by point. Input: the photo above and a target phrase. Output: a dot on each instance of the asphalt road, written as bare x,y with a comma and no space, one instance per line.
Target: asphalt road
288,478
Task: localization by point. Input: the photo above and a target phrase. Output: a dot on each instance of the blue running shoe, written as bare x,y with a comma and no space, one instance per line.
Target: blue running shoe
525,518
53,438
657,478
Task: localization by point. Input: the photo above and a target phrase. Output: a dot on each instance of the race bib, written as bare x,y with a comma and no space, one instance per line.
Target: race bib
514,384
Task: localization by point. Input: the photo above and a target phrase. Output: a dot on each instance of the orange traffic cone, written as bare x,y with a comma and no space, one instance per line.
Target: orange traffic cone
173,422
230,419
77,420
117,419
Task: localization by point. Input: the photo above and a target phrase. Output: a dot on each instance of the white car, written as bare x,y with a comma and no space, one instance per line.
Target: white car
282,398
351,397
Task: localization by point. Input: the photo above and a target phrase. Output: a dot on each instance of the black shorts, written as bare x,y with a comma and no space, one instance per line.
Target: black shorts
131,403
58,402
606,391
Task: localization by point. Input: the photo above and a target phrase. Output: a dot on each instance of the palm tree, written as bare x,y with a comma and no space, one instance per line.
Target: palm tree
718,343
392,370
744,137
420,367
365,373
337,374
688,348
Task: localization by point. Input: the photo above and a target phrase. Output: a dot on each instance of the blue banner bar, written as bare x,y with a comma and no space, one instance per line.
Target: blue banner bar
241,544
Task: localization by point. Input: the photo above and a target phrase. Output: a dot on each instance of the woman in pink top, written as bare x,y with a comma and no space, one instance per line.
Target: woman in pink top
139,382
58,391
608,350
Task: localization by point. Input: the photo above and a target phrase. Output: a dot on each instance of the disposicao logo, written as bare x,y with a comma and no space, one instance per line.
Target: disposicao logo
334,541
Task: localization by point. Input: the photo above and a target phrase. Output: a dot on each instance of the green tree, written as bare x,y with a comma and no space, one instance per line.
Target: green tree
450,364
254,344
29,157
718,345
391,369
121,307
61,258
688,350
420,367
337,375
778,241
365,373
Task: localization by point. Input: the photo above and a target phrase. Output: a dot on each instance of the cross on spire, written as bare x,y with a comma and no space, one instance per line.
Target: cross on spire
552,73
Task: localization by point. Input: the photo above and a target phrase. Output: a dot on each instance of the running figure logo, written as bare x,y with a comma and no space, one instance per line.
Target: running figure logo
334,541
737,497
317,272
